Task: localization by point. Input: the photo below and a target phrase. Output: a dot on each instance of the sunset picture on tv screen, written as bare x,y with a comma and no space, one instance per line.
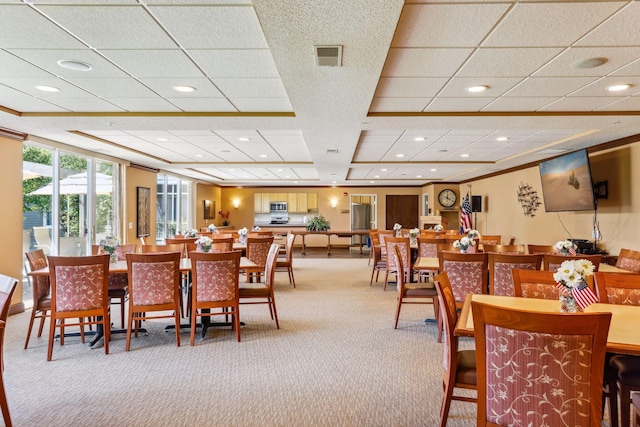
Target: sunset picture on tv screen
566,183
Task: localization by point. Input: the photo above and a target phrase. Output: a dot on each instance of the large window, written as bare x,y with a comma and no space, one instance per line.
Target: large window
173,212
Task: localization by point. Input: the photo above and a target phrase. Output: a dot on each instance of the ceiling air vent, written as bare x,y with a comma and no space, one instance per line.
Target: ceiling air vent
328,56
332,151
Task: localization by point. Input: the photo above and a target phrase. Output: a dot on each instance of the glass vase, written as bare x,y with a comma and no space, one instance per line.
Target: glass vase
568,303
113,257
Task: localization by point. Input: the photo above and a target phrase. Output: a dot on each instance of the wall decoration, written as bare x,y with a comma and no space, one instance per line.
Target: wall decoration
209,209
143,215
529,200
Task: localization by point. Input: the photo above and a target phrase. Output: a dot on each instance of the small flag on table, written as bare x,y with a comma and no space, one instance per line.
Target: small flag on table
583,295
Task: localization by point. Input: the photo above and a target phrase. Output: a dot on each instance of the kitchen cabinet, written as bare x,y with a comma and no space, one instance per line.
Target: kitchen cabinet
257,203
312,201
292,203
302,203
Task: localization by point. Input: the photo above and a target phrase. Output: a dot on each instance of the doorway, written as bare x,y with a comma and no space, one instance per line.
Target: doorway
402,210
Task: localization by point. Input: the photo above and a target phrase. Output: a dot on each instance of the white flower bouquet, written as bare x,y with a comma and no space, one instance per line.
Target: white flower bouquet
243,232
572,273
204,242
438,227
212,228
564,247
414,232
397,227
464,244
256,228
472,234
110,244
190,233
573,289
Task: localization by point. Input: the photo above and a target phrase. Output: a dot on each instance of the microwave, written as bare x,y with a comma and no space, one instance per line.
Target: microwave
278,207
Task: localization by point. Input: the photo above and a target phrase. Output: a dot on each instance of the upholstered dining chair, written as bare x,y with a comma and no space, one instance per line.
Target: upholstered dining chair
222,244
500,267
428,248
541,249
156,249
258,293
392,266
286,263
629,259
382,236
154,287
564,359
410,293
504,249
552,262
257,251
534,284
468,273
182,241
623,371
459,365
489,239
7,288
79,289
379,263
41,289
372,233
215,286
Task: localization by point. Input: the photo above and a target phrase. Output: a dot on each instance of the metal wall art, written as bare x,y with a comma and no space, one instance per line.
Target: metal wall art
529,200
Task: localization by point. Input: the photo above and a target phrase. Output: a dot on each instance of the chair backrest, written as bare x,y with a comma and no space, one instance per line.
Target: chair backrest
79,283
289,246
504,249
618,288
428,247
453,237
373,235
535,284
382,236
260,233
404,245
155,249
541,249
534,366
215,276
7,288
468,273
449,316
445,246
258,249
41,284
490,239
396,257
629,260
552,262
270,265
154,278
222,244
431,234
216,236
120,250
179,240
500,266
42,237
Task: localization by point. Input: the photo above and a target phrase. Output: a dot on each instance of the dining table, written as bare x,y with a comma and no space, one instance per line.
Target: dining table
622,338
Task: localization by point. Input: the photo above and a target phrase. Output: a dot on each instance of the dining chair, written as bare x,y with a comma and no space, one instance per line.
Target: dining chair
257,251
552,262
41,290
629,259
488,239
286,264
468,273
504,249
263,293
392,265
155,249
183,242
79,289
459,365
222,244
564,358
215,286
428,248
410,293
7,288
382,236
535,284
379,264
372,243
624,370
541,249
154,287
501,266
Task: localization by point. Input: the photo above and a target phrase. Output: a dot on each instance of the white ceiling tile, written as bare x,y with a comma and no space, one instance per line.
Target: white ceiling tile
507,62
11,66
578,103
202,104
620,30
398,104
164,87
48,60
262,104
415,62
456,87
144,104
235,63
599,88
548,86
631,103
457,104
409,87
28,85
168,63
85,104
251,88
519,104
23,102
117,88
307,173
562,65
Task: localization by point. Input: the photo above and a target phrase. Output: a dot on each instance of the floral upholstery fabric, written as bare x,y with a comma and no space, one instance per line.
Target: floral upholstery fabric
78,287
539,290
152,283
629,264
465,278
257,252
503,279
216,280
537,379
429,250
623,296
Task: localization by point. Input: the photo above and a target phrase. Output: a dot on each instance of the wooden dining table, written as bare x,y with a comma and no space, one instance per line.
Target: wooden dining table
623,337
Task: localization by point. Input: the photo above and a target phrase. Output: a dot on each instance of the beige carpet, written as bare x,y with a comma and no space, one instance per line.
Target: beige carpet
336,361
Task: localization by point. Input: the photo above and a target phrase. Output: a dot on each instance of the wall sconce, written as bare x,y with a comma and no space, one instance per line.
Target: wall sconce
236,203
334,203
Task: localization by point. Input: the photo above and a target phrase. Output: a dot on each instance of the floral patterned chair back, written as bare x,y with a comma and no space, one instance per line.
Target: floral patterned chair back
504,249
154,286
382,236
629,260
215,285
79,289
257,251
535,284
552,262
468,273
500,266
428,247
618,288
404,245
564,355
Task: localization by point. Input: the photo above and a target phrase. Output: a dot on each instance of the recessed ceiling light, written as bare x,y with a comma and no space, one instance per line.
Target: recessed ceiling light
162,139
419,138
287,176
280,170
589,63
476,89
232,170
184,89
400,155
464,155
48,88
334,182
244,138
376,176
295,182
74,65
383,170
433,169
501,138
264,156
442,151
372,182
200,156
418,176
618,88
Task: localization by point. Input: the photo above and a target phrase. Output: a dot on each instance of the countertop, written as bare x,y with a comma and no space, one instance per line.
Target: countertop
287,225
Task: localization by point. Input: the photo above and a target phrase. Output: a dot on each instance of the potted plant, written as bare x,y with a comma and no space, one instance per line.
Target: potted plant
318,223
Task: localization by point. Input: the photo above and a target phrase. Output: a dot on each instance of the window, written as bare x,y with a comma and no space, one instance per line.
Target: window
173,211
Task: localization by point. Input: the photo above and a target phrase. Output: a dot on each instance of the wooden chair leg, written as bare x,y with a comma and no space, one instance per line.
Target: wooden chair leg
446,404
33,318
625,405
41,328
398,312
4,404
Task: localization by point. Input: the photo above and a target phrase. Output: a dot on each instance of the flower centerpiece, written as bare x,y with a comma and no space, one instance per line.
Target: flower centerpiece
204,243
398,229
110,245
472,234
574,293
438,227
413,234
190,233
212,228
225,217
256,228
564,247
465,244
243,233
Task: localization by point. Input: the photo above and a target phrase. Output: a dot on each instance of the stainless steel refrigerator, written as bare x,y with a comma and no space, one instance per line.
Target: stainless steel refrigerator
360,220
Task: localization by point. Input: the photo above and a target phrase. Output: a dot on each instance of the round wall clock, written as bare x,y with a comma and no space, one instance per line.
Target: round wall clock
447,198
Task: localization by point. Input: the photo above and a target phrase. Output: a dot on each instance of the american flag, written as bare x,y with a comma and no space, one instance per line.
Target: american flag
465,215
583,295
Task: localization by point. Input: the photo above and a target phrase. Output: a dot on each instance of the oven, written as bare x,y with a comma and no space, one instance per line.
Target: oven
278,207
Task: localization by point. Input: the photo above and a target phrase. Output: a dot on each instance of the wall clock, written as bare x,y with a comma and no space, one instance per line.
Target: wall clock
447,198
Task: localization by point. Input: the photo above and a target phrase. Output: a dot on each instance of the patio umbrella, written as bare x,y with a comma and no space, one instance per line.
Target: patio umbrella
77,184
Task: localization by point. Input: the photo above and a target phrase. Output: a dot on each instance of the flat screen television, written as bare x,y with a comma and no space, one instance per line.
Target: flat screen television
567,184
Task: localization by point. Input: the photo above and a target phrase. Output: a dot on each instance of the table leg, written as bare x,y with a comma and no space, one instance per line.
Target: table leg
328,244
303,246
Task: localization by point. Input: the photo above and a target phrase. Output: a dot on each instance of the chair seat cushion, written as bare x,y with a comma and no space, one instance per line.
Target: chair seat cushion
419,290
44,303
628,369
253,290
466,369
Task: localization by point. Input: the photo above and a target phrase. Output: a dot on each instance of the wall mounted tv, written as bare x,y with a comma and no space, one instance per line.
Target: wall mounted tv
567,184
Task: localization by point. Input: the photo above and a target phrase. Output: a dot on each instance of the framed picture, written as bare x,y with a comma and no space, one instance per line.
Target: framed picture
209,209
143,216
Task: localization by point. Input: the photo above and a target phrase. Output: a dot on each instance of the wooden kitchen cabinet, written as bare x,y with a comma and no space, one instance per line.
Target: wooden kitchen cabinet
292,203
302,202
312,201
257,203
